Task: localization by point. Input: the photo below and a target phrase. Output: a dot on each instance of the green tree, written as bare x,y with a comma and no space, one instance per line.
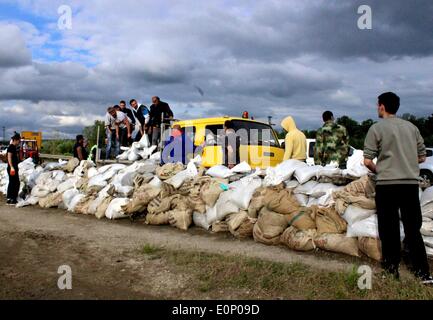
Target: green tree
91,133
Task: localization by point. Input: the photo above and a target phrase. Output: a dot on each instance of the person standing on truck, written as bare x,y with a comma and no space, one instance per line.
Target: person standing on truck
132,122
80,151
158,110
295,141
142,116
13,171
231,145
399,148
332,143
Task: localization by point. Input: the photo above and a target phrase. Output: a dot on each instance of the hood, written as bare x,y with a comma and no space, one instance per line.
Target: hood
288,124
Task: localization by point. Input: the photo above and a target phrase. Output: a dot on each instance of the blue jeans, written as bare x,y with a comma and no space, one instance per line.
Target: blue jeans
112,143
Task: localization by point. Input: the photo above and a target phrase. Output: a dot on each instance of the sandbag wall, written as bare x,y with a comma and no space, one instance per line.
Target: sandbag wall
301,207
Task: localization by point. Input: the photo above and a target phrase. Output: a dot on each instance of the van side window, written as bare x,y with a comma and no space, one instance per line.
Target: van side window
212,132
256,133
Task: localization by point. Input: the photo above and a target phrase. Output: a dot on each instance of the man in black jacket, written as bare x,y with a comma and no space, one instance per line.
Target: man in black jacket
142,115
131,117
158,110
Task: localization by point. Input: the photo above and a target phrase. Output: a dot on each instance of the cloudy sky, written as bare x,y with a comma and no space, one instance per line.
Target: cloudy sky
209,58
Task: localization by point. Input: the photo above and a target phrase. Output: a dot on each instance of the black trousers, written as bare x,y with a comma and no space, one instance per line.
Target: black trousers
389,199
14,185
123,137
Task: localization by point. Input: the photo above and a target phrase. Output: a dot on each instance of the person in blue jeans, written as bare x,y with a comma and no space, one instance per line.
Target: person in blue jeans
112,132
178,147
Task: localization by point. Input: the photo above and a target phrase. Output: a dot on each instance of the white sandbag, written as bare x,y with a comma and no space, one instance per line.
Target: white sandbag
30,201
66,185
355,165
43,178
224,206
177,180
155,182
59,175
104,169
428,241
242,167
354,214
312,202
368,228
26,164
243,190
40,191
74,201
55,165
104,193
219,171
124,191
329,171
321,189
133,156
125,178
291,184
52,185
147,152
92,172
200,220
124,156
306,188
429,251
326,200
282,172
427,229
114,210
305,174
302,199
144,142
427,196
98,181
68,195
427,210
156,156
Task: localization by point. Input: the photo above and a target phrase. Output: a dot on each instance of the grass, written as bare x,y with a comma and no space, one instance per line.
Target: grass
250,278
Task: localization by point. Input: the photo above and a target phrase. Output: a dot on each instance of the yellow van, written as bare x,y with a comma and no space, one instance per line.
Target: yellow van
259,144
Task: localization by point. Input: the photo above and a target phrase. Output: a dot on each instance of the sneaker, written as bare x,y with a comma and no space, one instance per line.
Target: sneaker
11,202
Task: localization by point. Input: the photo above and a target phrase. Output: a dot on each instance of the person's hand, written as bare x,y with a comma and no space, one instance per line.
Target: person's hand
13,172
129,136
231,166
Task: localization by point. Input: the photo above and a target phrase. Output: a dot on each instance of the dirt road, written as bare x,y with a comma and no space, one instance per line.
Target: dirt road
105,256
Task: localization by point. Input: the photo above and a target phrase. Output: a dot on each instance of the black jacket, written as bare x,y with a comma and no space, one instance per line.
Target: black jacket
156,112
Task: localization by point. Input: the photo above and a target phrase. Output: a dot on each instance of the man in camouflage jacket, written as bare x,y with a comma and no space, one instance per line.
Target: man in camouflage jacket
332,143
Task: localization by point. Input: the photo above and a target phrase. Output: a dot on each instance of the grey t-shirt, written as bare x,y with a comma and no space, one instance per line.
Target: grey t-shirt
397,144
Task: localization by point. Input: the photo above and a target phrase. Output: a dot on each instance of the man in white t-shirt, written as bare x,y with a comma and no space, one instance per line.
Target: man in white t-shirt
118,130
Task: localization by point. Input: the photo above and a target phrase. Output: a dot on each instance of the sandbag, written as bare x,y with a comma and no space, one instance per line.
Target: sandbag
200,220
66,185
371,247
428,241
291,184
243,190
259,237
302,199
360,201
354,214
211,191
355,164
321,189
141,199
40,191
298,240
282,172
71,165
338,243
257,202
102,208
180,219
51,201
427,196
364,186
427,229
306,188
280,200
157,219
169,170
177,180
328,221
427,210
219,227
271,224
302,219
114,210
245,230
305,174
235,220
29,201
368,228
68,196
75,200
83,206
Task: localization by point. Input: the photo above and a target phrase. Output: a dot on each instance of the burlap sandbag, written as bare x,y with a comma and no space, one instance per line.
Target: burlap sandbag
71,165
328,220
181,219
298,240
272,224
83,206
371,247
100,212
169,170
82,185
364,186
158,219
141,199
210,191
360,201
338,243
302,219
51,201
281,201
160,204
220,226
235,220
245,230
257,202
259,237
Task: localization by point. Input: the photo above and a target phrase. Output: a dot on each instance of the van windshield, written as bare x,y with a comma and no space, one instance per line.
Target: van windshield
253,133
